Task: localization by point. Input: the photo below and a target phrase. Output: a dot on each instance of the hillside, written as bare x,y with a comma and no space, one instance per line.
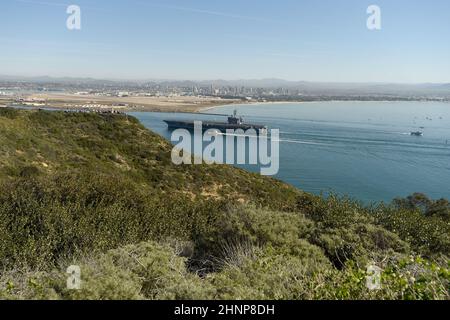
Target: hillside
100,191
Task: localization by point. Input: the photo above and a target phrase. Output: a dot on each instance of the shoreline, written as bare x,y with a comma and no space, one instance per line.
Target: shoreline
182,107
315,102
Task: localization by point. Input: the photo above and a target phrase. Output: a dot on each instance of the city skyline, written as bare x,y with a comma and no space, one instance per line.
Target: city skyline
291,40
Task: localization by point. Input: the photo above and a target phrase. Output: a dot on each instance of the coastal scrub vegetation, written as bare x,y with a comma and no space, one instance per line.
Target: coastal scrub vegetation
100,191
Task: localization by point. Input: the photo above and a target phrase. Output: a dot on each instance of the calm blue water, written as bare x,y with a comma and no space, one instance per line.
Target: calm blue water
361,149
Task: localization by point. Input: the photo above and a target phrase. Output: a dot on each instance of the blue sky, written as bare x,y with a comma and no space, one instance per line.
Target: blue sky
311,40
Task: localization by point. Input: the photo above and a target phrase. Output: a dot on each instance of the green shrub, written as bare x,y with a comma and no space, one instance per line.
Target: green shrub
346,230
244,226
100,191
271,275
402,278
143,271
427,235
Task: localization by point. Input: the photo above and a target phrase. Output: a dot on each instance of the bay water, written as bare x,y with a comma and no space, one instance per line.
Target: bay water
361,149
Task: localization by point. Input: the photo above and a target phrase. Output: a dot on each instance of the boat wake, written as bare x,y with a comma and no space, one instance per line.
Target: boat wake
303,142
277,140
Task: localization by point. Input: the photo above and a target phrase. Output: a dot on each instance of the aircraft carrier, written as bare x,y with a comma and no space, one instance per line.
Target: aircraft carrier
233,123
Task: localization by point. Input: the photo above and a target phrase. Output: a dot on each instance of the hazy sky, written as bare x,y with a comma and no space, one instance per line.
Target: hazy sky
313,40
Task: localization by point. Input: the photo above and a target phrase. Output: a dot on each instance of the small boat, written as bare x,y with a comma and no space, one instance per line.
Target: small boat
417,133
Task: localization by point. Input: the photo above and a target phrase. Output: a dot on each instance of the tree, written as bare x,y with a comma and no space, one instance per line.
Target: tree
427,206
